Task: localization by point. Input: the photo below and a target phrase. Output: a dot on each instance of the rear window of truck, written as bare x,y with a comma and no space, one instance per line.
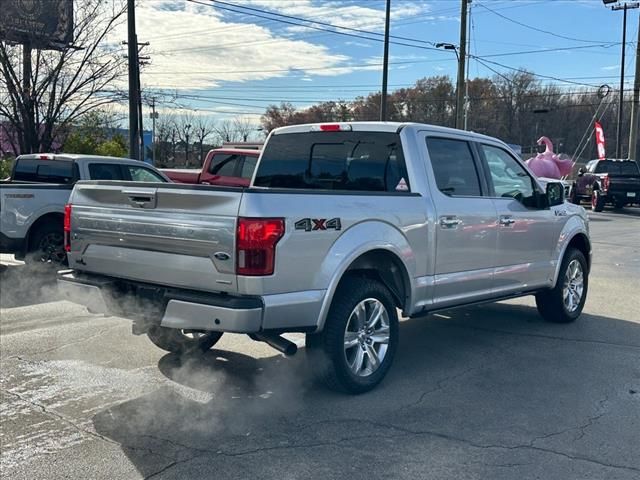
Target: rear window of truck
617,168
348,161
44,171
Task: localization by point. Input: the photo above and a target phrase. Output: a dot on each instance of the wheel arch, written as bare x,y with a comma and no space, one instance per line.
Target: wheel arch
381,262
581,242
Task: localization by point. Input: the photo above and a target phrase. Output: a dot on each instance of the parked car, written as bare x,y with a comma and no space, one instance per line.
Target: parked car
230,167
342,225
32,200
608,181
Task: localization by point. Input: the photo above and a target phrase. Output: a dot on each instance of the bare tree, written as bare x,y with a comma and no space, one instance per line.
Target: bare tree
184,129
202,129
165,125
64,84
225,130
243,128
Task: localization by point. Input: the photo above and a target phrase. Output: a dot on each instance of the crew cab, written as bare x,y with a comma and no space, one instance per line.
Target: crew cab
615,182
343,225
32,200
230,167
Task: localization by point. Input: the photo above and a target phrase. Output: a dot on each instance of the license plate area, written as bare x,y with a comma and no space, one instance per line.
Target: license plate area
631,194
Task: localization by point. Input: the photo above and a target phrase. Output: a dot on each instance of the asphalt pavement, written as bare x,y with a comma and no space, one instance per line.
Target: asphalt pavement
485,392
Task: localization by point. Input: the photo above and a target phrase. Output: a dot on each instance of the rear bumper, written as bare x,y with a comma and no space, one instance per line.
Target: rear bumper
189,310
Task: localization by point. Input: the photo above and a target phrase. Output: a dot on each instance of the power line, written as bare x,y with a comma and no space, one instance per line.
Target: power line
535,28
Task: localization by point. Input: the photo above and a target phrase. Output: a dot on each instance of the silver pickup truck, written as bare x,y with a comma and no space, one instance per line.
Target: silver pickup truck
32,200
343,225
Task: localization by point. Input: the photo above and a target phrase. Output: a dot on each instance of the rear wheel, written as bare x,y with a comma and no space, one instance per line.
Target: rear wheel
618,203
46,245
356,348
564,302
179,341
597,201
573,196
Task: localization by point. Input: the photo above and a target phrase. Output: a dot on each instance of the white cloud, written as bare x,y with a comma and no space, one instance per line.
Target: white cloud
344,14
194,46
611,67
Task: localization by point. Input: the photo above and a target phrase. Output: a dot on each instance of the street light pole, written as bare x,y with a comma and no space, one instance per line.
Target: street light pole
385,65
621,101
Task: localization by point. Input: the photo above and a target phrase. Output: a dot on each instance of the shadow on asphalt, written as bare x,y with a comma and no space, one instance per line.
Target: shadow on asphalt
27,284
491,373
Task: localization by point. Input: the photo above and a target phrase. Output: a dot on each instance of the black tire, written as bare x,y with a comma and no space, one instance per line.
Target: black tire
177,341
551,303
573,197
597,201
46,245
326,350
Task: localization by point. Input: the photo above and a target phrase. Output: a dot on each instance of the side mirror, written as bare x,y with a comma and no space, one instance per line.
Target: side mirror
581,171
555,193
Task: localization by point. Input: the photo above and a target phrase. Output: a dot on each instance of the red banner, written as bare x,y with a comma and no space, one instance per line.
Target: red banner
600,141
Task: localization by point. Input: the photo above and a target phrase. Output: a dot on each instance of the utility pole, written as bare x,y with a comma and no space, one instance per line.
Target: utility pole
461,62
141,61
385,64
134,122
29,120
466,78
634,145
186,147
154,116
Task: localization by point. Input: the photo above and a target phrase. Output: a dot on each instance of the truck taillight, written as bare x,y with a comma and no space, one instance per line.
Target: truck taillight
605,182
67,227
256,245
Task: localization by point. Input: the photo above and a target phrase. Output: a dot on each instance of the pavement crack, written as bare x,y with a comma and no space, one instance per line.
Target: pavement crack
440,384
601,411
65,345
60,417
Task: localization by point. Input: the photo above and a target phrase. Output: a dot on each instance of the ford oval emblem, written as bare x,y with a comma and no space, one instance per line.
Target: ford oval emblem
221,256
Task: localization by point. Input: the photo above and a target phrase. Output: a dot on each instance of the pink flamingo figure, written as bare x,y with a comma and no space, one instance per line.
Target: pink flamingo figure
548,164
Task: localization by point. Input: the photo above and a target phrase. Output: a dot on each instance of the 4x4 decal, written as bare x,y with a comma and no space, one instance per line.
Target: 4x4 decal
310,224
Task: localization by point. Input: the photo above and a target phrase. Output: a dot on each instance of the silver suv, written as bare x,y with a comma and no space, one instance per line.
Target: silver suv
343,226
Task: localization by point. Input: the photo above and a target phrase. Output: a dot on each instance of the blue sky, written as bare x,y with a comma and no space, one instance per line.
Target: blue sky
224,63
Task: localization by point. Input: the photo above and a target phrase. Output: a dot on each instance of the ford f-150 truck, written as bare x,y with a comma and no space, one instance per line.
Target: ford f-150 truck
32,201
343,225
230,167
607,181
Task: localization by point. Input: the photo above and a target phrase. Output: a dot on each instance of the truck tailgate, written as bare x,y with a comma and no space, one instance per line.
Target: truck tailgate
165,234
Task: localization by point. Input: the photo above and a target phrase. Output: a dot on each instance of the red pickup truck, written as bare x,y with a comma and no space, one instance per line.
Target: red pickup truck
231,167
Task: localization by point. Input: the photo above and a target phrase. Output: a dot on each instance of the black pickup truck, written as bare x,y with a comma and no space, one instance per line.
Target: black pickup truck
608,181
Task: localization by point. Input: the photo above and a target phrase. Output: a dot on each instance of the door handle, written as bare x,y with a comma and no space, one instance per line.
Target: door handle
507,221
450,222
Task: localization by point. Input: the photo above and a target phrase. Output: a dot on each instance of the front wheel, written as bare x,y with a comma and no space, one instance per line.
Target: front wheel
182,342
564,302
356,348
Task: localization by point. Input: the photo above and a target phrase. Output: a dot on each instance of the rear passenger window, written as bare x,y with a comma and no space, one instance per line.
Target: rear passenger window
45,171
105,171
453,166
225,165
347,161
